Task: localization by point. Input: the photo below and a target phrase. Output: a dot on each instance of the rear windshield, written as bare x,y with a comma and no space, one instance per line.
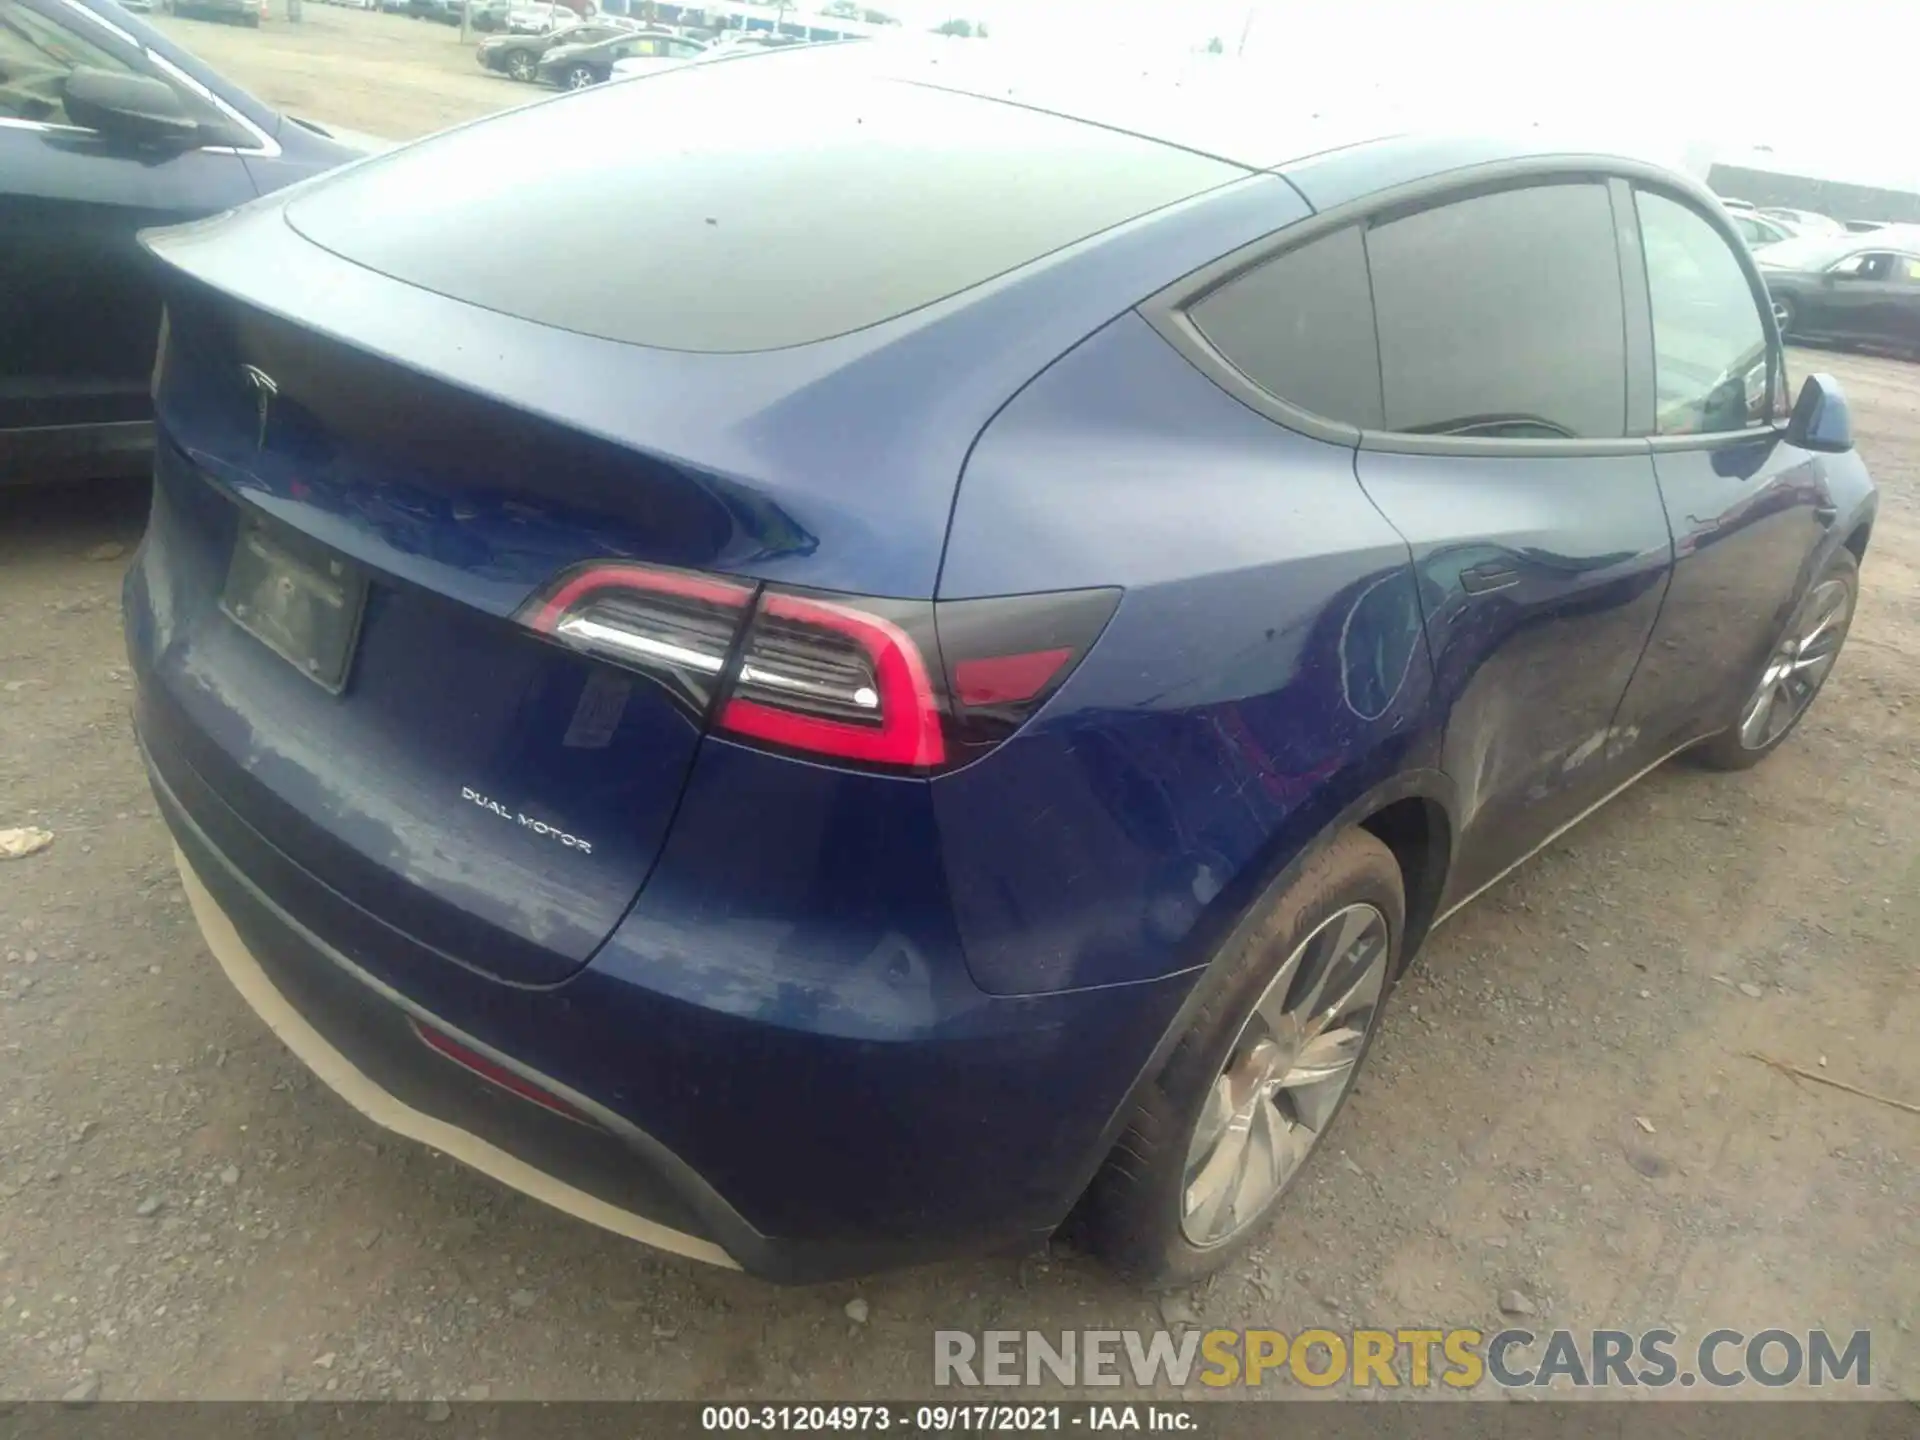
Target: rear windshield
746,204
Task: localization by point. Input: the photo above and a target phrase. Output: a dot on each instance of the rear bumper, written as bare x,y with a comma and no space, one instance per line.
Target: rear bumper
376,1085
357,1035
794,1155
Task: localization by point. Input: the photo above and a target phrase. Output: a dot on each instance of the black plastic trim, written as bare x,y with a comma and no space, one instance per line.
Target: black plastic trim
1637,303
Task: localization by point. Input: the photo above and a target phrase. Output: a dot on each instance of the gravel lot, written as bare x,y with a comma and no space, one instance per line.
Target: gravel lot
1561,1102
382,74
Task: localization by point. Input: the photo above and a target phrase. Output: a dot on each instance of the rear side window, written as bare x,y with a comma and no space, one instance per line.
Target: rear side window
1301,327
1502,316
1709,342
793,198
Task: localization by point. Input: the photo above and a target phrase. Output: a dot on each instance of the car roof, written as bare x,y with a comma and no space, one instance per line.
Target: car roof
1246,117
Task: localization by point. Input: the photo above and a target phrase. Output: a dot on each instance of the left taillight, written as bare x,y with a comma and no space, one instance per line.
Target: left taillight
910,686
675,626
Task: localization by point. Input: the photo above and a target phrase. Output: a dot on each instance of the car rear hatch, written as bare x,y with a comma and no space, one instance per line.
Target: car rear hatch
399,408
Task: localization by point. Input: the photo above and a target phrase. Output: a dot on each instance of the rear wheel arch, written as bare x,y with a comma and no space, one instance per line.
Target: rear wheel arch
1412,814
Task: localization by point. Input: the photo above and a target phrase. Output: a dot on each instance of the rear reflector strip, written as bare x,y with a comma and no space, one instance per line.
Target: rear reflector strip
494,1073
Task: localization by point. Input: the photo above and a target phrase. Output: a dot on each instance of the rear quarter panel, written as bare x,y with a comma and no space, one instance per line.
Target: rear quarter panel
1264,670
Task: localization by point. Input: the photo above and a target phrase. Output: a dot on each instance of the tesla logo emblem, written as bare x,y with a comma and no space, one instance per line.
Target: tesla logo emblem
263,392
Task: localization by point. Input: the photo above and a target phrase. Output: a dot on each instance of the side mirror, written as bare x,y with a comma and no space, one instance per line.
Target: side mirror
135,108
1821,420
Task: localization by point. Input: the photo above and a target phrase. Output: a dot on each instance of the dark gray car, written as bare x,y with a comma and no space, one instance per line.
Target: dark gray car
107,127
1847,287
237,12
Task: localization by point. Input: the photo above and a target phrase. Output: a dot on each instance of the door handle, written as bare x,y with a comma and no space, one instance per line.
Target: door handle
1826,514
1478,579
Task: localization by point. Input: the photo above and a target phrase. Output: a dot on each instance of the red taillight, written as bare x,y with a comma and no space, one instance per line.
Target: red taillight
908,685
494,1072
1007,679
835,678
1007,655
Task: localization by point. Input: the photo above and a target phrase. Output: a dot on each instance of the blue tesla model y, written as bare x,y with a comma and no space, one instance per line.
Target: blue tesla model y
908,664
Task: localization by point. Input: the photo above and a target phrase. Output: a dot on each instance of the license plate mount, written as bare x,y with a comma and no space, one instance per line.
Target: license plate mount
301,603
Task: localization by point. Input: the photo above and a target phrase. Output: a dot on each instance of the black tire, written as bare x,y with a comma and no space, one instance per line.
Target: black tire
521,67
579,77
1131,1213
1729,750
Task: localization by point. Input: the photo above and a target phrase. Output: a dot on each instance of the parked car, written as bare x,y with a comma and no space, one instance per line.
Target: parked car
518,55
881,732
239,12
1847,287
1756,230
521,16
575,65
526,17
739,42
1803,222
107,126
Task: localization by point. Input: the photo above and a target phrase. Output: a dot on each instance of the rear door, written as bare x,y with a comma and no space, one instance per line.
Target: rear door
1746,508
82,306
1505,458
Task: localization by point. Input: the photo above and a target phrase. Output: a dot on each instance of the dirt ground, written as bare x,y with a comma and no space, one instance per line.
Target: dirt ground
1561,1102
380,74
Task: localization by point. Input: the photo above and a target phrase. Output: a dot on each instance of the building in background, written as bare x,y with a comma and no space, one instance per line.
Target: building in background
1860,206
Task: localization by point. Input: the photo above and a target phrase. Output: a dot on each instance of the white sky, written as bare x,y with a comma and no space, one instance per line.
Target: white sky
1830,86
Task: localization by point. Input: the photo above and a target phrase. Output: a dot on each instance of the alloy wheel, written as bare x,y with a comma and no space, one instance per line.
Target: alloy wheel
1285,1075
1783,316
1798,664
520,65
579,79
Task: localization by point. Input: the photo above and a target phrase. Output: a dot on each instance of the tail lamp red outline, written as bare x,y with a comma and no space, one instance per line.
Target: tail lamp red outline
909,730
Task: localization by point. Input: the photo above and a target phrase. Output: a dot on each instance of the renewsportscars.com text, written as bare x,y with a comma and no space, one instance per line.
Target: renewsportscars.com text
1412,1358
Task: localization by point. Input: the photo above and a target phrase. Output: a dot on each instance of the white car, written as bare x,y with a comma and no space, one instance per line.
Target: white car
1804,222
653,53
538,19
